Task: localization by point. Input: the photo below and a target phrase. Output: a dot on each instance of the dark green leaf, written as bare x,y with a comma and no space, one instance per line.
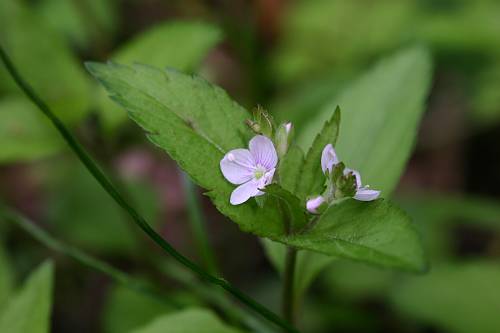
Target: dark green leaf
290,168
294,207
375,232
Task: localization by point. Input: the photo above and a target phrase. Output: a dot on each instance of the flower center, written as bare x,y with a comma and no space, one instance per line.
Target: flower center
259,172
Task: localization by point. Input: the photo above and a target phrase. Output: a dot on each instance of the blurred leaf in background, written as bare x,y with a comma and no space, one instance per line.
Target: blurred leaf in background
126,310
458,297
28,311
82,22
29,134
179,44
42,55
82,211
194,320
6,278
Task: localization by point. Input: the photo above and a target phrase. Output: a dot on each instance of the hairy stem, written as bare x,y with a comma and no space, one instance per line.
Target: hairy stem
103,180
288,299
197,225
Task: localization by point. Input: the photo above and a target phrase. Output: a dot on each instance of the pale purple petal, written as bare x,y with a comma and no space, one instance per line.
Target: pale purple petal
328,158
262,148
313,204
244,192
238,166
366,194
356,174
266,179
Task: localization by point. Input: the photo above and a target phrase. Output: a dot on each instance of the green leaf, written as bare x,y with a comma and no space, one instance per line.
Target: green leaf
126,309
312,178
381,113
290,168
29,310
160,47
188,321
27,132
458,298
295,208
42,56
196,123
374,232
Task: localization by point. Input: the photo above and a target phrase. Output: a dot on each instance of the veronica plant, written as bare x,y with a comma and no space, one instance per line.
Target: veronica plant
205,131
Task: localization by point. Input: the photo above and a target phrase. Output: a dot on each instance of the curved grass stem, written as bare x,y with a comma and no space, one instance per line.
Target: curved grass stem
103,180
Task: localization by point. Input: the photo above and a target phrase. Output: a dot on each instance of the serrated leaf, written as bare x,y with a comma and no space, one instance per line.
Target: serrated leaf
195,123
188,321
458,298
29,310
295,208
375,232
160,47
26,132
381,113
41,55
312,178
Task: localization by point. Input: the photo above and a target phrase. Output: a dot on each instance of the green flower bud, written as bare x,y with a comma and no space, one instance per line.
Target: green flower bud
283,138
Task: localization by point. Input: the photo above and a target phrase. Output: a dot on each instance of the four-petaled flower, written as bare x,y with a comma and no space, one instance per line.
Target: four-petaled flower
251,168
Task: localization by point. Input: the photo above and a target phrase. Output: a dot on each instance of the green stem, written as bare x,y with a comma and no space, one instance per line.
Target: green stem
197,224
288,299
94,169
45,238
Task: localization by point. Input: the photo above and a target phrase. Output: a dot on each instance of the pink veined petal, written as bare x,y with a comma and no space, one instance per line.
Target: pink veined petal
366,194
263,151
328,158
238,166
313,204
356,174
244,192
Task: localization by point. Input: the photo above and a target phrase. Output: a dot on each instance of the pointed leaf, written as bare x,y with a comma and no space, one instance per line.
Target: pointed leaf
312,177
29,310
381,113
295,212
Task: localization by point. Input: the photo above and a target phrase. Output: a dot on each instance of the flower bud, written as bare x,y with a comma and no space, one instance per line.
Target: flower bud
316,205
262,122
283,138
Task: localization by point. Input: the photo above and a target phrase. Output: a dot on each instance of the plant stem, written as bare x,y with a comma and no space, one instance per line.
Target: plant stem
123,278
288,299
197,224
98,174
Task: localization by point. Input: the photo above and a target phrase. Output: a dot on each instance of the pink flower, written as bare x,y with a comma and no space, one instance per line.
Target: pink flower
328,158
313,204
363,193
251,168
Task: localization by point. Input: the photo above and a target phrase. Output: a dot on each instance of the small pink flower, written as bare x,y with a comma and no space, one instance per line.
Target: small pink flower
313,204
328,158
251,168
363,193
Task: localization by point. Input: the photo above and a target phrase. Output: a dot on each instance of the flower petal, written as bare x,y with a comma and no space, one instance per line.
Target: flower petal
244,192
263,151
366,194
328,158
238,166
356,174
313,204
266,180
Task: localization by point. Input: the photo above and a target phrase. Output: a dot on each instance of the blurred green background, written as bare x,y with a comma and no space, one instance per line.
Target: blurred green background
294,58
